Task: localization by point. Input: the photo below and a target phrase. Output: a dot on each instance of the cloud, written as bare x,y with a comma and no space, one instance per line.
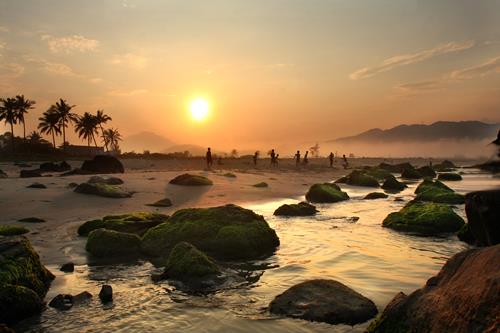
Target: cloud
4,29
9,72
411,58
485,68
70,44
123,93
130,60
59,69
419,87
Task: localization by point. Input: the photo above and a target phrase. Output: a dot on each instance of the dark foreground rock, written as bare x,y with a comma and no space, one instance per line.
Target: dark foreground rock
326,193
326,301
191,180
391,184
300,209
103,164
65,301
105,180
449,176
67,267
106,293
24,281
108,243
483,215
102,190
30,173
464,297
134,223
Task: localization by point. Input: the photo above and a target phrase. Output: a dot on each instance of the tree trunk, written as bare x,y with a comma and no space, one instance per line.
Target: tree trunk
53,139
95,142
64,133
105,143
12,135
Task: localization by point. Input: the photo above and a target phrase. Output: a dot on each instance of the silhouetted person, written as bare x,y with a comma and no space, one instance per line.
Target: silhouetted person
273,157
209,158
255,157
276,159
306,160
297,158
330,157
345,164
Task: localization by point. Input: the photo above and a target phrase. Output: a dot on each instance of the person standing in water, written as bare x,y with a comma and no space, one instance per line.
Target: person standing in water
306,160
297,158
209,158
255,157
273,157
345,164
331,159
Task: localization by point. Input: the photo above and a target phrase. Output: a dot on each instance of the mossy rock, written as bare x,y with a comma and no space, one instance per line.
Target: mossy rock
18,302
229,175
425,219
135,223
261,185
378,173
161,203
12,230
359,178
450,176
411,173
102,190
224,232
300,209
110,243
326,193
436,191
466,235
445,166
191,180
395,168
427,172
391,184
375,195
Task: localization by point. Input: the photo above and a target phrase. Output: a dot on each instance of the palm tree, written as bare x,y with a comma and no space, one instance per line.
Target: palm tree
22,107
111,137
50,124
86,127
63,110
102,118
9,115
35,138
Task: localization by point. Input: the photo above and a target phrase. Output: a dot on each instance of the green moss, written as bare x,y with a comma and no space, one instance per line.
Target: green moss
436,191
227,232
450,176
375,195
186,261
359,178
378,173
106,243
103,190
191,180
300,209
261,184
18,302
425,219
12,230
136,223
382,325
326,193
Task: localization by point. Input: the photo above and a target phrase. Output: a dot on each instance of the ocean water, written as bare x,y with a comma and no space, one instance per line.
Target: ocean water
375,261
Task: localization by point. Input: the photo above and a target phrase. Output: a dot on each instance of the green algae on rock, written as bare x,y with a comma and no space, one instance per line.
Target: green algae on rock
110,243
187,179
102,190
326,193
391,184
359,178
12,230
375,195
135,223
436,191
300,209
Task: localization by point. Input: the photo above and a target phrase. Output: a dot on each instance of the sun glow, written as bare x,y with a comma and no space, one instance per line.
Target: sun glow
199,109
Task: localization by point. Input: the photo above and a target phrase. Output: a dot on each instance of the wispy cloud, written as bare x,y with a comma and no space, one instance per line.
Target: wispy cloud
9,72
70,44
124,93
60,69
4,29
410,58
130,60
488,67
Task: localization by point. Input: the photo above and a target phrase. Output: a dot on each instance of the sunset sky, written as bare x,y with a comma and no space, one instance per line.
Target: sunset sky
274,70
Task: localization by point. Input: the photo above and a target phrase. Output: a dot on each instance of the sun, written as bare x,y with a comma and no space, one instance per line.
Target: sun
199,109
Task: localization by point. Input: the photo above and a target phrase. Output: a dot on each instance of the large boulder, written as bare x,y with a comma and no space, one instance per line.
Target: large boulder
224,232
24,281
490,166
359,178
464,297
30,173
102,190
445,166
326,301
300,209
191,180
436,191
326,193
109,243
377,173
411,173
424,219
395,168
450,176
54,167
483,213
427,171
103,164
391,184
134,223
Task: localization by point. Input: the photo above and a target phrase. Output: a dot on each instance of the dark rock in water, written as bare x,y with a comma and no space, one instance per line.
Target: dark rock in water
445,166
103,164
191,180
108,181
491,166
12,230
161,203
483,213
106,293
54,167
261,185
395,168
67,267
326,193
300,209
62,302
23,165
375,195
465,235
399,199
24,280
81,297
359,178
6,329
450,176
36,185
109,243
391,184
102,190
411,173
326,301
72,185
427,171
3,174
424,219
463,297
436,191
134,223
377,173
31,220
225,232
30,173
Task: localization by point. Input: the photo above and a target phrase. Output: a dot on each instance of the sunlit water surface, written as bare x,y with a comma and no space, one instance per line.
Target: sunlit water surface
374,261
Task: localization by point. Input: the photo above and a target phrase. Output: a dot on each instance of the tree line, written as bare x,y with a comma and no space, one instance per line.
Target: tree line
56,120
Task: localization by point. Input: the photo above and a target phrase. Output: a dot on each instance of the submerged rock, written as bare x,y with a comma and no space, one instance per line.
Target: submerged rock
135,223
67,267
62,302
463,297
391,184
102,190
375,195
106,293
483,214
261,184
427,171
166,202
326,193
31,220
436,191
36,185
378,173
12,230
224,232
450,176
30,173
424,219
191,180
300,209
102,180
411,173
326,301
359,178
103,164
109,243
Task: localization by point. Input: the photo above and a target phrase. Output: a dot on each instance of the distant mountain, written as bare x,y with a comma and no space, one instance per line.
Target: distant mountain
194,150
471,130
145,141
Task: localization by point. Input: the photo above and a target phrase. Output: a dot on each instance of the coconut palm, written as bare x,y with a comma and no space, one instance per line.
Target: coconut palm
9,115
50,124
111,137
22,107
86,127
35,138
63,110
102,118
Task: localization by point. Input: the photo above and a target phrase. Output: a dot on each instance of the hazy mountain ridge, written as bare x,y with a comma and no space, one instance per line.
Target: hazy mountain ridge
146,141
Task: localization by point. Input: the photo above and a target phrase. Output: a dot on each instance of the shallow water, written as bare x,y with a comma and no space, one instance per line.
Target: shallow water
374,261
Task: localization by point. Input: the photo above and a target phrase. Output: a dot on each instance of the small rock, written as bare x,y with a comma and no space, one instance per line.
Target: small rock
375,195
81,297
106,293
67,267
62,302
72,185
36,185
261,184
32,220
30,173
161,203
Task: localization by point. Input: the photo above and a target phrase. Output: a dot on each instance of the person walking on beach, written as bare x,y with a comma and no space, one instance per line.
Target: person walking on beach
345,164
209,158
255,157
276,159
273,157
297,158
331,159
306,160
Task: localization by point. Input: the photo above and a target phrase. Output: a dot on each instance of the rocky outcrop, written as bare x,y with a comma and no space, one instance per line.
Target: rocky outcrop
427,171
102,190
54,167
108,243
395,168
464,297
411,173
134,223
483,215
436,191
12,230
326,193
106,293
391,184
300,209
191,180
103,164
326,301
